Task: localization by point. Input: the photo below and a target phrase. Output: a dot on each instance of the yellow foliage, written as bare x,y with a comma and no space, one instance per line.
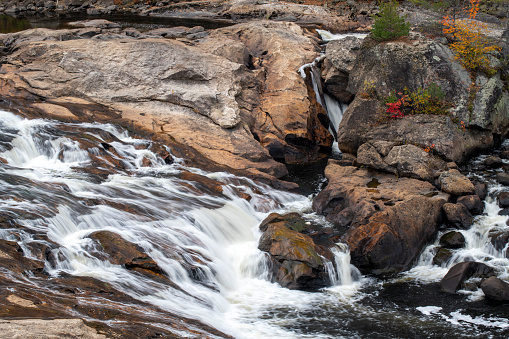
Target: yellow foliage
470,45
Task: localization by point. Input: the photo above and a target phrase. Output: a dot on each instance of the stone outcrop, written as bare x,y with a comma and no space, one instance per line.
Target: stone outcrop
405,160
386,220
340,56
297,261
233,97
382,68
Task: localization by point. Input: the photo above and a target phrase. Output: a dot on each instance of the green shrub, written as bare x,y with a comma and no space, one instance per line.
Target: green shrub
388,24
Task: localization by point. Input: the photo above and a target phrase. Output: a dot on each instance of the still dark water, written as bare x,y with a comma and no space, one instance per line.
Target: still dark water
9,24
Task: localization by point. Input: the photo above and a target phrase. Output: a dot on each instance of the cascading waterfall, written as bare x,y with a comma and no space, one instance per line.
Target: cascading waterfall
46,182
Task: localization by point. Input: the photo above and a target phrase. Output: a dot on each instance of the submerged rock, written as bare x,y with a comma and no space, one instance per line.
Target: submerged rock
461,272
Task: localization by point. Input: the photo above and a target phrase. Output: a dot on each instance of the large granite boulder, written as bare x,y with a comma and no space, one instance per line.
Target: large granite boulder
386,220
394,66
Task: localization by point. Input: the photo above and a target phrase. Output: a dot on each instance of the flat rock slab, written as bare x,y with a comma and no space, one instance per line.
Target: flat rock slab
40,328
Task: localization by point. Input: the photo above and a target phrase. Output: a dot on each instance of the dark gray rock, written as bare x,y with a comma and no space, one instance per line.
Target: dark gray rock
442,256
495,289
452,240
473,203
503,178
481,190
503,199
461,272
458,215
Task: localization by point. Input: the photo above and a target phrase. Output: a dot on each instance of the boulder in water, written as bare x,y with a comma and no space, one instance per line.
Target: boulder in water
473,203
390,218
493,161
458,215
442,256
503,178
461,272
495,289
503,199
452,240
298,262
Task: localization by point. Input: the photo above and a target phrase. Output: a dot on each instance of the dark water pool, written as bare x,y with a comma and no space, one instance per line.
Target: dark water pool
9,24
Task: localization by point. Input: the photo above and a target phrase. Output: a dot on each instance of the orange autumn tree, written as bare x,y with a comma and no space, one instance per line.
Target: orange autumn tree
470,45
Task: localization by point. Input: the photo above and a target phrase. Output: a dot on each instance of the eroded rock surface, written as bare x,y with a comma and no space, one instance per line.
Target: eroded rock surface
233,96
386,220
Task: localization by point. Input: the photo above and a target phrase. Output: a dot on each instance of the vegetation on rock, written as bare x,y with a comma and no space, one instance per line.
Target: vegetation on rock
470,45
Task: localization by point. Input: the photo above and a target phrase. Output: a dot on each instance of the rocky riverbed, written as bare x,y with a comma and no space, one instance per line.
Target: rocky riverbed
235,100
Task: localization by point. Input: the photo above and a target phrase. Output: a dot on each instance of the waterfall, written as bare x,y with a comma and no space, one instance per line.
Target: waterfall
50,186
341,272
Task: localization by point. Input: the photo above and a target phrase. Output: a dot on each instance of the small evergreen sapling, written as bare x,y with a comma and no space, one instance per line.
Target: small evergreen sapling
389,25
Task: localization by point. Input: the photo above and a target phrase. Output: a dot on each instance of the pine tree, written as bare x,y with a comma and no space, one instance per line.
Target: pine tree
389,25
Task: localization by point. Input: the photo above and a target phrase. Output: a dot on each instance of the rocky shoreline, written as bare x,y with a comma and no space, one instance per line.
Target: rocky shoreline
231,99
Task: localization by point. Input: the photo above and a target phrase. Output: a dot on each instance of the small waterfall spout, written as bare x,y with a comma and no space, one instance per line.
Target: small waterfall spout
341,272
333,108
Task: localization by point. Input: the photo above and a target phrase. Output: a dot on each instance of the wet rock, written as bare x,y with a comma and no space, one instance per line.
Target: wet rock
203,183
123,252
504,211
499,239
390,218
493,161
504,154
503,178
298,263
503,199
473,203
13,259
481,190
455,183
452,240
461,272
458,215
495,289
442,256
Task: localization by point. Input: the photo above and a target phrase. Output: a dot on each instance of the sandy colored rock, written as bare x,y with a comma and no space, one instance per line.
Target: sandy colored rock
40,328
454,182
